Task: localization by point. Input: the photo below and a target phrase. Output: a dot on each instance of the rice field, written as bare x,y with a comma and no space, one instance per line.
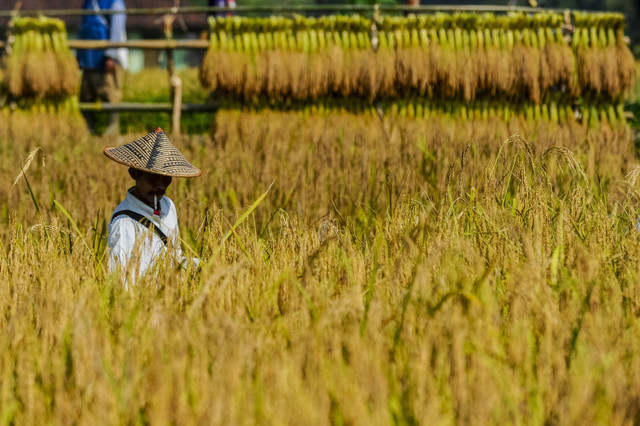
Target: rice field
396,272
406,261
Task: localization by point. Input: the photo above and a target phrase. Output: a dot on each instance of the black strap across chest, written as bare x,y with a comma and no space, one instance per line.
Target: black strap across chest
143,220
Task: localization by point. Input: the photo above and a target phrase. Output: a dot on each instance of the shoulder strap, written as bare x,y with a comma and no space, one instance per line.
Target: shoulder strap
143,220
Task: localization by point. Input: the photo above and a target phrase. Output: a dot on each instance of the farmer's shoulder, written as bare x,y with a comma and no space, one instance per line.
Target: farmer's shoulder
119,219
170,203
117,215
122,229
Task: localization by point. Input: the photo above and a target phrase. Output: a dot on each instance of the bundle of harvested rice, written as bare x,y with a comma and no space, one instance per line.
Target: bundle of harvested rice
34,119
592,115
40,63
299,58
605,65
516,57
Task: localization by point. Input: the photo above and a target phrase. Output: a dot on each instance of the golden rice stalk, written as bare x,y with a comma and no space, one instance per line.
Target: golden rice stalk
15,82
446,67
467,65
477,61
67,65
232,77
501,77
36,74
625,64
385,66
560,62
526,65
208,73
253,81
276,76
547,77
609,72
36,80
589,60
403,70
411,66
52,79
68,72
15,61
425,77
366,72
482,66
336,66
317,73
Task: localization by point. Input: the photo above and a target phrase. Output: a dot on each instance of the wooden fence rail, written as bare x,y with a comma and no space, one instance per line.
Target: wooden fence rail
144,107
136,44
280,9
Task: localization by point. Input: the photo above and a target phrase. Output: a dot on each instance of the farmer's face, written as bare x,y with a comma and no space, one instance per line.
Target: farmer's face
149,185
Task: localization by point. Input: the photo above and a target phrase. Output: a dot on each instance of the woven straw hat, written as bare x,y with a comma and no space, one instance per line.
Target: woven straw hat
153,153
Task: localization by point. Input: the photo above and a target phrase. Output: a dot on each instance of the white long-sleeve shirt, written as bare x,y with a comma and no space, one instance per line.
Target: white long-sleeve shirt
134,247
118,33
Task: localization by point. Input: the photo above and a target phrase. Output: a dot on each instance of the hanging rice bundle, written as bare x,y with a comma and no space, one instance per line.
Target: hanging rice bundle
40,63
605,65
591,115
297,58
557,62
530,60
409,48
41,79
497,78
466,61
385,60
32,119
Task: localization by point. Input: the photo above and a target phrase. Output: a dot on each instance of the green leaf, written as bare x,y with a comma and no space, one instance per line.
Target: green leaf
73,224
245,215
33,197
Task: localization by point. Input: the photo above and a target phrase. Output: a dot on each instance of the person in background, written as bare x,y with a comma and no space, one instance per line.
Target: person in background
222,3
102,70
144,227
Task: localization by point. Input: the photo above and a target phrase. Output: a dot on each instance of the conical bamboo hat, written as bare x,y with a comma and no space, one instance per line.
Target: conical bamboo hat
153,153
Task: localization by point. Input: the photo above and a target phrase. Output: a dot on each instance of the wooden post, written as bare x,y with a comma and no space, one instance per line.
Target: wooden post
176,88
176,93
174,80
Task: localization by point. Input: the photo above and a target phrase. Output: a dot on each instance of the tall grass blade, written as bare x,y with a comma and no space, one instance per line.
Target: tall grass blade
33,197
245,215
73,224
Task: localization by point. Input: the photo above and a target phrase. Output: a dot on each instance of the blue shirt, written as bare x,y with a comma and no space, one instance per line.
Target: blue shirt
103,27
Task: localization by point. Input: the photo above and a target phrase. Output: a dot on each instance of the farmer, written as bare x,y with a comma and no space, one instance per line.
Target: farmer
144,226
102,69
